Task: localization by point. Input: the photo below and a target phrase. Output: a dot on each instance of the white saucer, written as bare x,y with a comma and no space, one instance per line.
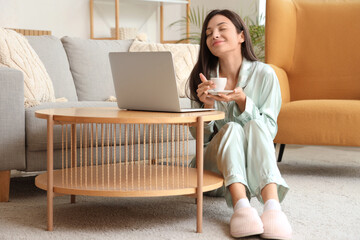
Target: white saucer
225,92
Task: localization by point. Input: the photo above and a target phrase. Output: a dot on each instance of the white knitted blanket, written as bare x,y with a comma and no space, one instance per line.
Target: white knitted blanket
16,52
184,58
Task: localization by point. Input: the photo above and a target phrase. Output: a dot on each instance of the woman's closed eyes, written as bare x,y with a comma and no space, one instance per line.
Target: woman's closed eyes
220,30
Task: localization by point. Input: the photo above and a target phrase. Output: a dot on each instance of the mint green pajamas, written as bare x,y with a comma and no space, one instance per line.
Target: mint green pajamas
240,147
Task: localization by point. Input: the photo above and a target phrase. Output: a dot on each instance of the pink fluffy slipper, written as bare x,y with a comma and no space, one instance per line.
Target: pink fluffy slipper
245,222
276,225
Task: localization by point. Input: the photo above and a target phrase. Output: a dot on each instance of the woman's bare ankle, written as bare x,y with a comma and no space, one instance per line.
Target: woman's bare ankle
238,191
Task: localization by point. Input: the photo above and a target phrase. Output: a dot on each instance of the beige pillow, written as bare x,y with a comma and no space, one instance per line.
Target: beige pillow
184,58
16,52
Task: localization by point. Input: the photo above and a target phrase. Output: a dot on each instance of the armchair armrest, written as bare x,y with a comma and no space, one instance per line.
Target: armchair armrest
12,119
284,83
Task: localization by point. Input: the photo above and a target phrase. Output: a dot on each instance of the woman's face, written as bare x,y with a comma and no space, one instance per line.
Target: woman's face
222,37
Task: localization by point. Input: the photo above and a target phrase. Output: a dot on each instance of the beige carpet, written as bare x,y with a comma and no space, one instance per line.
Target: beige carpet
323,203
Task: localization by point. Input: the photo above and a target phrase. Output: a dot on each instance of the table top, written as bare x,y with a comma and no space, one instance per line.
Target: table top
116,115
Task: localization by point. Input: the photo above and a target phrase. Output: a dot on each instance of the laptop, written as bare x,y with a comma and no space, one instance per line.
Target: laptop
146,81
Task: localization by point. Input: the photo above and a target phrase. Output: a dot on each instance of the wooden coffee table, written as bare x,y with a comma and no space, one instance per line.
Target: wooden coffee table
154,148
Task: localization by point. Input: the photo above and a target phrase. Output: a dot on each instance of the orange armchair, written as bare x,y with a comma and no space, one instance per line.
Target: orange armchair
314,48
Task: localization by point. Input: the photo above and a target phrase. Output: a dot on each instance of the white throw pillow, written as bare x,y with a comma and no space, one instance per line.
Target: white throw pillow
184,57
16,52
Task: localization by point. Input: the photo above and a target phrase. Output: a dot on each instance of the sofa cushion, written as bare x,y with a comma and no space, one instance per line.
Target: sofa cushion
36,161
90,66
184,59
36,136
53,55
16,52
319,122
36,131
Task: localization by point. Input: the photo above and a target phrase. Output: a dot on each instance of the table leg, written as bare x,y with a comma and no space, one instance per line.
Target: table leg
50,168
199,166
4,185
73,157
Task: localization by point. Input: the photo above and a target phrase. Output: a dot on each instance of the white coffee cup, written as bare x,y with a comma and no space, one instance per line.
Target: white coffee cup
220,83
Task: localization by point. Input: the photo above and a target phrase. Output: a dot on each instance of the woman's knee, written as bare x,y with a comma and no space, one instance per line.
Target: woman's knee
231,129
259,129
232,133
232,126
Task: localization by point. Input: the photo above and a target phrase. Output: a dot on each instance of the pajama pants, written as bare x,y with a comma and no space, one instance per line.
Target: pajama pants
243,155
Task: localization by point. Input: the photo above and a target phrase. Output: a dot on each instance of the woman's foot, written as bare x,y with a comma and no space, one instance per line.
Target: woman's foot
276,225
245,222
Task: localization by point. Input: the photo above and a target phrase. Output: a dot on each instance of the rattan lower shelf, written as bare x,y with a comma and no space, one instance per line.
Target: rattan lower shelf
129,181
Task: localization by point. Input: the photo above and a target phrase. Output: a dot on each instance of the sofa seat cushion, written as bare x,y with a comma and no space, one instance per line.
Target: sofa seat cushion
36,130
36,161
320,122
53,56
90,66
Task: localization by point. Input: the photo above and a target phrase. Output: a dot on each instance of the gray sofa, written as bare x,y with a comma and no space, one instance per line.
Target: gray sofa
80,71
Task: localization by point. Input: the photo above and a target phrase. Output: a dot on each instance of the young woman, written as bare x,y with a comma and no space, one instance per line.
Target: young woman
240,147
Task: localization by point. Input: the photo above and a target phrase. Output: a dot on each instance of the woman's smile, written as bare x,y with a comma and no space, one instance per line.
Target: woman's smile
217,42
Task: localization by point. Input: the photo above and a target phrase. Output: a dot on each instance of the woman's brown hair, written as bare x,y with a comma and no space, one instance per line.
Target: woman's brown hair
207,62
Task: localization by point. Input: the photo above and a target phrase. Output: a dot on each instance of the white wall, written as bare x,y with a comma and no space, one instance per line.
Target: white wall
62,17
71,17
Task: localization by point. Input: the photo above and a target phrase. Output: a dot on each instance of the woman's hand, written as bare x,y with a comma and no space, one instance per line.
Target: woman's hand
202,92
238,96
